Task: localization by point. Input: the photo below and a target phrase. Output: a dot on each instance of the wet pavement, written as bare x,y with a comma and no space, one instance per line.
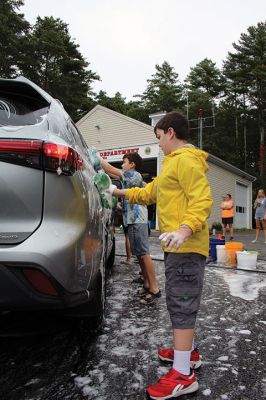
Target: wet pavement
120,361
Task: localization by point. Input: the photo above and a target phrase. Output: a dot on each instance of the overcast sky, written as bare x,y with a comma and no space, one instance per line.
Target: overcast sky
124,39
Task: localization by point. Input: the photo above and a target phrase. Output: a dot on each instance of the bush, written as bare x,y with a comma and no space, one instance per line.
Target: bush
217,226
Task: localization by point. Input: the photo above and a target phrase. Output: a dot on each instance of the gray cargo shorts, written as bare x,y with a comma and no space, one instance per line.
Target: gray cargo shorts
139,239
184,273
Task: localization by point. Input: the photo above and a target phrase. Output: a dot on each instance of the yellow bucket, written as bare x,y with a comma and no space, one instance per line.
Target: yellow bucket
231,248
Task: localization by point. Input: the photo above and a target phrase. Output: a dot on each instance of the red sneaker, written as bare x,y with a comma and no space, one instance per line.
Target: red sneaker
167,355
173,384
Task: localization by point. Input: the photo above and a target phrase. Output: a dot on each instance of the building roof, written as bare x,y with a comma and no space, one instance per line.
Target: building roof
114,113
229,167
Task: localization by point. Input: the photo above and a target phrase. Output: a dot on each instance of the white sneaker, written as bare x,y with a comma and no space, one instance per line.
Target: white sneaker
254,241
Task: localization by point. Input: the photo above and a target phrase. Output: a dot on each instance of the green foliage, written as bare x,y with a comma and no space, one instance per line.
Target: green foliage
137,111
246,82
13,28
46,54
132,109
206,77
163,92
52,60
116,103
217,226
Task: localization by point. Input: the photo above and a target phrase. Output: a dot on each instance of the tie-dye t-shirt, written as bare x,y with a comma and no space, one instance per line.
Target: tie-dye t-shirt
133,213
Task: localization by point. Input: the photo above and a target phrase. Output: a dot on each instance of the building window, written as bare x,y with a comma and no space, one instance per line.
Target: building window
240,209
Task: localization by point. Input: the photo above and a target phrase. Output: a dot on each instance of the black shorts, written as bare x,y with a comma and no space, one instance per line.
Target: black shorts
227,221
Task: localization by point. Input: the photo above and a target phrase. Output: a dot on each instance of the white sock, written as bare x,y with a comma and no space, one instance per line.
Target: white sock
182,361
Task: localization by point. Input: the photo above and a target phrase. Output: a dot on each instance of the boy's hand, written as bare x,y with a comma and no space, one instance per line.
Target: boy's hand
176,238
118,192
99,157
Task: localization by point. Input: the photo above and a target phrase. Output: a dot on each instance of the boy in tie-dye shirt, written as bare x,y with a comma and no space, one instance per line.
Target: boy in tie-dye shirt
135,218
133,213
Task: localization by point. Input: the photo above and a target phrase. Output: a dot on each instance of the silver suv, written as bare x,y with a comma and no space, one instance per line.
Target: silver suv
56,238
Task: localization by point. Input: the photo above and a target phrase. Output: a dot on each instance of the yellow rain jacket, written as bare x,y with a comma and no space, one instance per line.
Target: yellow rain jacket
183,196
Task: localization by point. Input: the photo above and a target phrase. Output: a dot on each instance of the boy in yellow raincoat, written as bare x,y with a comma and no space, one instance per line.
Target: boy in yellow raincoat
183,197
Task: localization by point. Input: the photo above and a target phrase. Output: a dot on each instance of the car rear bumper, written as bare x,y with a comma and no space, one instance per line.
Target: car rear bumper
17,294
56,247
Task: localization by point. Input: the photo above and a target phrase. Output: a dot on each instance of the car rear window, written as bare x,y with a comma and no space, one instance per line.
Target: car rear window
19,110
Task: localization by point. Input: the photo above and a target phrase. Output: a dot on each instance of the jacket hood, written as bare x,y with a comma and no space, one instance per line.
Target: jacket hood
191,151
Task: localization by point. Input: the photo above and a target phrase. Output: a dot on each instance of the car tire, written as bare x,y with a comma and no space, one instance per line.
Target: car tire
111,259
95,322
92,322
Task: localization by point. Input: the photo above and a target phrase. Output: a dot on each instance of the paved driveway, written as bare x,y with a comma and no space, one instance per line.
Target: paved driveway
121,361
231,336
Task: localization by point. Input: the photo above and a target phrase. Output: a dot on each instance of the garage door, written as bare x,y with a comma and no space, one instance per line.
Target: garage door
241,209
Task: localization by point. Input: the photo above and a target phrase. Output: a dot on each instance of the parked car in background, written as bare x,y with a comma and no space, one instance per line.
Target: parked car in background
56,238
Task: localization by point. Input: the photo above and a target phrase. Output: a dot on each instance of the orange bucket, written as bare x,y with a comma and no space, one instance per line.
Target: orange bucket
231,248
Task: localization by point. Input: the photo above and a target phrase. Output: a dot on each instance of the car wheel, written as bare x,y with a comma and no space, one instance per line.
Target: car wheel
95,322
88,321
111,258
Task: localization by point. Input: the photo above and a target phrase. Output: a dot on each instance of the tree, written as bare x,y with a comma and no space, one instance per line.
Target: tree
136,110
13,28
198,100
163,92
52,60
246,70
204,84
206,77
116,103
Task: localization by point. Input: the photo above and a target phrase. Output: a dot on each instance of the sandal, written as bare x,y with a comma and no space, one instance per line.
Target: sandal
143,291
151,297
138,280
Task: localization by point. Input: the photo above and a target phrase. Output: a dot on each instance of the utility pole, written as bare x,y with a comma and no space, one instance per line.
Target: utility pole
202,122
200,115
187,105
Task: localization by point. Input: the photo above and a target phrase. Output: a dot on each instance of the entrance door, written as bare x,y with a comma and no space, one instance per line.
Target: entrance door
241,203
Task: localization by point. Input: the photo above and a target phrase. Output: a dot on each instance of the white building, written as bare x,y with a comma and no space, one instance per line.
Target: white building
114,135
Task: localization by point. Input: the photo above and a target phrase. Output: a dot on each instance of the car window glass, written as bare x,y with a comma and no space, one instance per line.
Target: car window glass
81,138
19,110
79,141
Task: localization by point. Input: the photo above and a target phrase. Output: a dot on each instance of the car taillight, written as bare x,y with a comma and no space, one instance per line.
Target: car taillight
40,281
22,152
37,154
62,159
